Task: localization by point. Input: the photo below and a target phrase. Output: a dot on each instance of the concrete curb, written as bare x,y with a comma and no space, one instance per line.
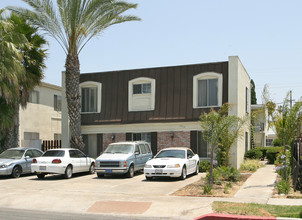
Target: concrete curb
214,216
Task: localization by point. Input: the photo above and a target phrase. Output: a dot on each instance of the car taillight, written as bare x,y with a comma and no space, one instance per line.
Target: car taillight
56,161
35,160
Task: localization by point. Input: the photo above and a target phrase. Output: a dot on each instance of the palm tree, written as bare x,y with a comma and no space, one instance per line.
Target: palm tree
73,23
33,57
11,70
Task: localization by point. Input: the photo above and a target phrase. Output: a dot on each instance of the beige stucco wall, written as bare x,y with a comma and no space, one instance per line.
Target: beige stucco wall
239,80
41,118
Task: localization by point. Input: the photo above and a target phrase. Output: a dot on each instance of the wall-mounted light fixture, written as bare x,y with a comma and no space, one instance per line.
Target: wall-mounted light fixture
172,134
113,136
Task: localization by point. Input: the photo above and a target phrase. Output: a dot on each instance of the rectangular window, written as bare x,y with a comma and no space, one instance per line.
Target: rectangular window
207,92
202,147
34,97
57,137
31,136
142,137
246,141
89,99
247,105
144,88
57,103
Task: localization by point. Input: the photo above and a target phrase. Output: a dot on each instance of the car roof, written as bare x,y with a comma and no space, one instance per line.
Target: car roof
130,142
177,148
65,149
23,148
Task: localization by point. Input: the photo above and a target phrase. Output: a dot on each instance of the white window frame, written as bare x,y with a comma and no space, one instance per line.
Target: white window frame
141,80
90,84
205,76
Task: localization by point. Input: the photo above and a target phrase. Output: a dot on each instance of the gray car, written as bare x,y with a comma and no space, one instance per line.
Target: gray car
123,158
17,161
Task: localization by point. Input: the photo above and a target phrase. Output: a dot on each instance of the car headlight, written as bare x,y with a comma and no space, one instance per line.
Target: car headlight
148,166
173,166
3,165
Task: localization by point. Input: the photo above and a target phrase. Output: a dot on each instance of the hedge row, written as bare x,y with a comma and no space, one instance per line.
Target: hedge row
270,153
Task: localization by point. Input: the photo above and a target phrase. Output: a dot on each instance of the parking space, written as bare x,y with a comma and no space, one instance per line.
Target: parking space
88,194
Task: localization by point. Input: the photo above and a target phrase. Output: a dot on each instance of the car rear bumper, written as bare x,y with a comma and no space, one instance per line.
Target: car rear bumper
49,168
165,172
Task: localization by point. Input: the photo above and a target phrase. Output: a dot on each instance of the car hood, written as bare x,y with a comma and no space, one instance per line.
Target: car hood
6,161
166,161
113,156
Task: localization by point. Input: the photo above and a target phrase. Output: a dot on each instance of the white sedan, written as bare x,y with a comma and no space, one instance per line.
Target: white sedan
64,161
172,162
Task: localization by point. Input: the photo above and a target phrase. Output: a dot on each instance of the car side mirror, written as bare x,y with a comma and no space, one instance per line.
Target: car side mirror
27,157
136,153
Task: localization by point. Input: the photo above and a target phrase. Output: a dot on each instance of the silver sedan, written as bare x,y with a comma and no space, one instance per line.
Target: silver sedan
17,161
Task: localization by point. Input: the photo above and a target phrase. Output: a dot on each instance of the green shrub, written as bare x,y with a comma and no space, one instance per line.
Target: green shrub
276,142
207,189
271,154
253,154
263,151
283,186
229,174
204,166
250,165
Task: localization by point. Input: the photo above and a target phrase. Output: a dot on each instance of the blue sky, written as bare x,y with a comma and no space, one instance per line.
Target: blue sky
266,35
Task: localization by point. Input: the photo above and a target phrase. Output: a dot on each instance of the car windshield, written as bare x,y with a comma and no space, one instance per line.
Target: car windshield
119,149
54,153
171,153
12,154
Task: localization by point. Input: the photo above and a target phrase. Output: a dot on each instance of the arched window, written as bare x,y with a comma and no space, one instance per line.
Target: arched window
207,90
141,94
91,94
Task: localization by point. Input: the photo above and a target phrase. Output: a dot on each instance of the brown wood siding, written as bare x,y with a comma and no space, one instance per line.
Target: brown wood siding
173,94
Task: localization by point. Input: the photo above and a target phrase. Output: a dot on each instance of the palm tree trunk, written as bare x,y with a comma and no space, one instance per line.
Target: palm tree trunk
73,99
12,133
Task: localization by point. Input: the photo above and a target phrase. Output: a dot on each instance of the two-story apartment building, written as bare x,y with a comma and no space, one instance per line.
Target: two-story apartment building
42,119
160,105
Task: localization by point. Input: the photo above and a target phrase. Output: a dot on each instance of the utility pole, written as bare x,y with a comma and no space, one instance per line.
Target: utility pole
291,98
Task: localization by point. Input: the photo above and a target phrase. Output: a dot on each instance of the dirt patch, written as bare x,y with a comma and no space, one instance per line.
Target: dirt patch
221,190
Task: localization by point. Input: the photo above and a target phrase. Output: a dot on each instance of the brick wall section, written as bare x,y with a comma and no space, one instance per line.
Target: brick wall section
180,139
107,139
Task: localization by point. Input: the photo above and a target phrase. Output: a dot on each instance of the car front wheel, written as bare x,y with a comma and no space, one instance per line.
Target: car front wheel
68,172
183,173
40,176
16,172
130,173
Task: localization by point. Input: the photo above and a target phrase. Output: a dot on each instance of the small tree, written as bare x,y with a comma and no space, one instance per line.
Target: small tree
214,125
287,123
231,132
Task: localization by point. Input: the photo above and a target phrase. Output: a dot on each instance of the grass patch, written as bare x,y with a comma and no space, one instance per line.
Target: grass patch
262,210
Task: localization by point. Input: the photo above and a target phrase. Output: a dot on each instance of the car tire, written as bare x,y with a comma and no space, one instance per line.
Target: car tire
100,175
68,172
183,173
148,178
16,173
197,169
91,169
130,173
40,176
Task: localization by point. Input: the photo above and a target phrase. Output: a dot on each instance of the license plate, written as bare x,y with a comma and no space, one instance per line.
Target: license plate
158,171
108,171
42,168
